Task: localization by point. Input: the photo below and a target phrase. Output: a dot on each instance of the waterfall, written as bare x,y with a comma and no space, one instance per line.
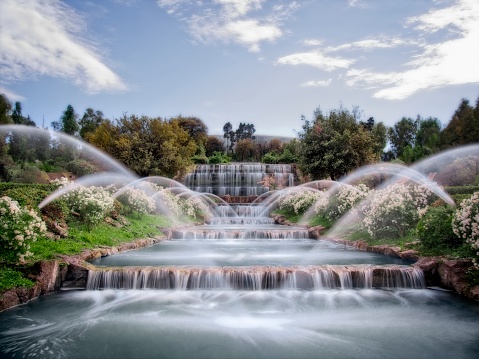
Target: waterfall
257,278
238,179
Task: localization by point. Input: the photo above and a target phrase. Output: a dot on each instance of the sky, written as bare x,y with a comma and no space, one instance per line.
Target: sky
254,61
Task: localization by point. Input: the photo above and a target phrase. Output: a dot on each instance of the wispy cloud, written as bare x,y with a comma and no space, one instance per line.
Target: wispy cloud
320,83
43,38
452,61
316,59
243,22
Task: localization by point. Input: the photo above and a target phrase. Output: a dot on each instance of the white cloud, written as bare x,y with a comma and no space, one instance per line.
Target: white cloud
42,38
320,83
231,21
453,61
316,59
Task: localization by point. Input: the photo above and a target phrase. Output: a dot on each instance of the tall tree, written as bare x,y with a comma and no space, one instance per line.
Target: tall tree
68,122
229,135
89,122
5,110
334,144
463,127
402,135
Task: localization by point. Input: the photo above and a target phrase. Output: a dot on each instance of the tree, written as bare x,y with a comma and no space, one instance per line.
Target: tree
148,146
68,122
195,127
213,144
245,150
229,135
89,122
463,127
245,131
5,110
402,134
334,144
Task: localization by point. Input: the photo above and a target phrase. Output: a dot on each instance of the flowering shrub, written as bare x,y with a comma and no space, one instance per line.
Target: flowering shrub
19,227
392,211
136,199
333,206
465,222
298,199
92,204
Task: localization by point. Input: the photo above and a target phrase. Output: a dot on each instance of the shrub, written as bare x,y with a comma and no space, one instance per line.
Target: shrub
136,199
219,158
298,199
334,205
270,157
19,227
80,167
391,212
200,159
435,228
92,204
465,222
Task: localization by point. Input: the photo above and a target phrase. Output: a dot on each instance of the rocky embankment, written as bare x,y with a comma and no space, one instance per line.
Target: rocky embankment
438,271
66,272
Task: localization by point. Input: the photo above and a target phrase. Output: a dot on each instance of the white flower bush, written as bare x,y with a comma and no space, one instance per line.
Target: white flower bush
92,203
465,223
136,199
334,205
392,211
19,227
298,199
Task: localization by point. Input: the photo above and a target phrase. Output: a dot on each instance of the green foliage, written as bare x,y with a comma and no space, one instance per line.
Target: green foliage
11,278
270,157
435,229
463,127
200,159
334,144
402,135
80,167
90,121
29,195
453,190
148,146
5,110
218,158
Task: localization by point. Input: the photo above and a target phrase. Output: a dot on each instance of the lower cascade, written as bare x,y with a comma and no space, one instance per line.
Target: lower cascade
258,278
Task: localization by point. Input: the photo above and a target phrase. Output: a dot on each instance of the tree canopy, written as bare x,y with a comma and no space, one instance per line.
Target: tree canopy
335,143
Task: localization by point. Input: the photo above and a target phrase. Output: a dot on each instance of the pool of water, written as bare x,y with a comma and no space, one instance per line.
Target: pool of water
243,324
232,249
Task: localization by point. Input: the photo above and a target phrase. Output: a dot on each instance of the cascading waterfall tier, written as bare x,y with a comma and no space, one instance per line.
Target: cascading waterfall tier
257,277
238,179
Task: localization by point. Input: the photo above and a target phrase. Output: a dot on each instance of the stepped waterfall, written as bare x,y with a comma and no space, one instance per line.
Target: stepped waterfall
241,286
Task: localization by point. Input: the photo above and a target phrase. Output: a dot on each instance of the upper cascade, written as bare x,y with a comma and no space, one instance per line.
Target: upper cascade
238,179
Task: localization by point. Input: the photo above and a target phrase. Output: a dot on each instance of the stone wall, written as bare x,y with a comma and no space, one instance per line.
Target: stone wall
67,272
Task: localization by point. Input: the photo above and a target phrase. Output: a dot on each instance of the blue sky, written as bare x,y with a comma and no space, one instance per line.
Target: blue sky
255,61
